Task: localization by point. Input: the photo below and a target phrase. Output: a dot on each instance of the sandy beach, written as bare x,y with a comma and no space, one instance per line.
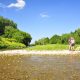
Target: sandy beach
33,52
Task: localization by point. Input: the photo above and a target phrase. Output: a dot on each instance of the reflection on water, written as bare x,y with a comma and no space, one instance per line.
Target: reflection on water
39,67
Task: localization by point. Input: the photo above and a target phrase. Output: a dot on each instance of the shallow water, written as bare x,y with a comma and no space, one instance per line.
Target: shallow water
38,67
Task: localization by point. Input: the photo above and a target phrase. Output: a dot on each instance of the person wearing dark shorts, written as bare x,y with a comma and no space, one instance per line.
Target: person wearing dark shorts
71,43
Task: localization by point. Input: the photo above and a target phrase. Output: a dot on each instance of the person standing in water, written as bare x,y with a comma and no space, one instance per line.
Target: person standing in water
71,43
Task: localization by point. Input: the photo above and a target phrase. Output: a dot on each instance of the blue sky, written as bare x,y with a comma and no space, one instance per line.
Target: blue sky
43,18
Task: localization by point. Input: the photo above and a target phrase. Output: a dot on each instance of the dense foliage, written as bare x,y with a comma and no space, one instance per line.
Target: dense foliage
42,41
6,22
63,39
20,36
55,39
6,43
11,36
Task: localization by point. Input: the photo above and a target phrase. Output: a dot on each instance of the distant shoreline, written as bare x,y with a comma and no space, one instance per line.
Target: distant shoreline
36,52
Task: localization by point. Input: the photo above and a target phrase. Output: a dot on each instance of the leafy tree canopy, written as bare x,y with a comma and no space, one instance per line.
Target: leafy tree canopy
20,36
6,22
8,29
63,39
42,41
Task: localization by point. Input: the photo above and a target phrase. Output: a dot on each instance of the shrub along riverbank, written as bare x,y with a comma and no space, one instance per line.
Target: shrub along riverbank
11,37
6,43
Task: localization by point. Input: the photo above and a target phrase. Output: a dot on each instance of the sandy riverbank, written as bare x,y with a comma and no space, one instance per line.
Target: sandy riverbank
54,52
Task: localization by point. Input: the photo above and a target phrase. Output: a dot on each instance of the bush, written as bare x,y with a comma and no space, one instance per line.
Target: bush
2,45
20,36
10,44
14,45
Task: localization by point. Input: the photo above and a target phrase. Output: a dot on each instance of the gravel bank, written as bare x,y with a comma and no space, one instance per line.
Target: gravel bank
54,52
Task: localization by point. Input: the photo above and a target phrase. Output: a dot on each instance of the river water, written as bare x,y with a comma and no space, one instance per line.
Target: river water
36,67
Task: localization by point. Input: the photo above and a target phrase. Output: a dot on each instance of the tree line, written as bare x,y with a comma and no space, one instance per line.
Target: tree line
9,30
60,39
10,34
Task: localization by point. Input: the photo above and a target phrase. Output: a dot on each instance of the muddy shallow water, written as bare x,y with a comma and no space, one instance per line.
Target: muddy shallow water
36,67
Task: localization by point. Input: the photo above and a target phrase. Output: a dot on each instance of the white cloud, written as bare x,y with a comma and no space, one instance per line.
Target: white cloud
44,15
20,4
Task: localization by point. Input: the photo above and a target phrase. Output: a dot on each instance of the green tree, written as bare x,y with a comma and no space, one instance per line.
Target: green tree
77,36
9,32
55,39
6,22
42,41
64,38
20,36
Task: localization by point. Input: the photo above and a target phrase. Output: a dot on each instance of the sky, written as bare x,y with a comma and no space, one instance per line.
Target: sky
43,18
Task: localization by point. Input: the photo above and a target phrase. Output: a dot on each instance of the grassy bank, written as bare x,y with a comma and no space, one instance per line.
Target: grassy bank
49,47
52,47
40,47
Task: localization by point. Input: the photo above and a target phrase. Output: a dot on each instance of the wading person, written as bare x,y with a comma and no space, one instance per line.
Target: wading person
71,43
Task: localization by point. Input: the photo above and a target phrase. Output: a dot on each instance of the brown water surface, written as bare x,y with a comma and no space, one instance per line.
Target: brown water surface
38,67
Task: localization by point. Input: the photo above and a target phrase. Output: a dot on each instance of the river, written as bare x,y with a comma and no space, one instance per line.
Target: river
36,67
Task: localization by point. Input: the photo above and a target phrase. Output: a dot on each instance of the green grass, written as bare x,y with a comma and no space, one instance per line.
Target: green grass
52,47
49,47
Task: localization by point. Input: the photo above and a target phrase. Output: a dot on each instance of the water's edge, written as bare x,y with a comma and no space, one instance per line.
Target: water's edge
34,52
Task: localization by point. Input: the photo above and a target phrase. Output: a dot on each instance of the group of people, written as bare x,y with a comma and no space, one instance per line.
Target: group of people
71,42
